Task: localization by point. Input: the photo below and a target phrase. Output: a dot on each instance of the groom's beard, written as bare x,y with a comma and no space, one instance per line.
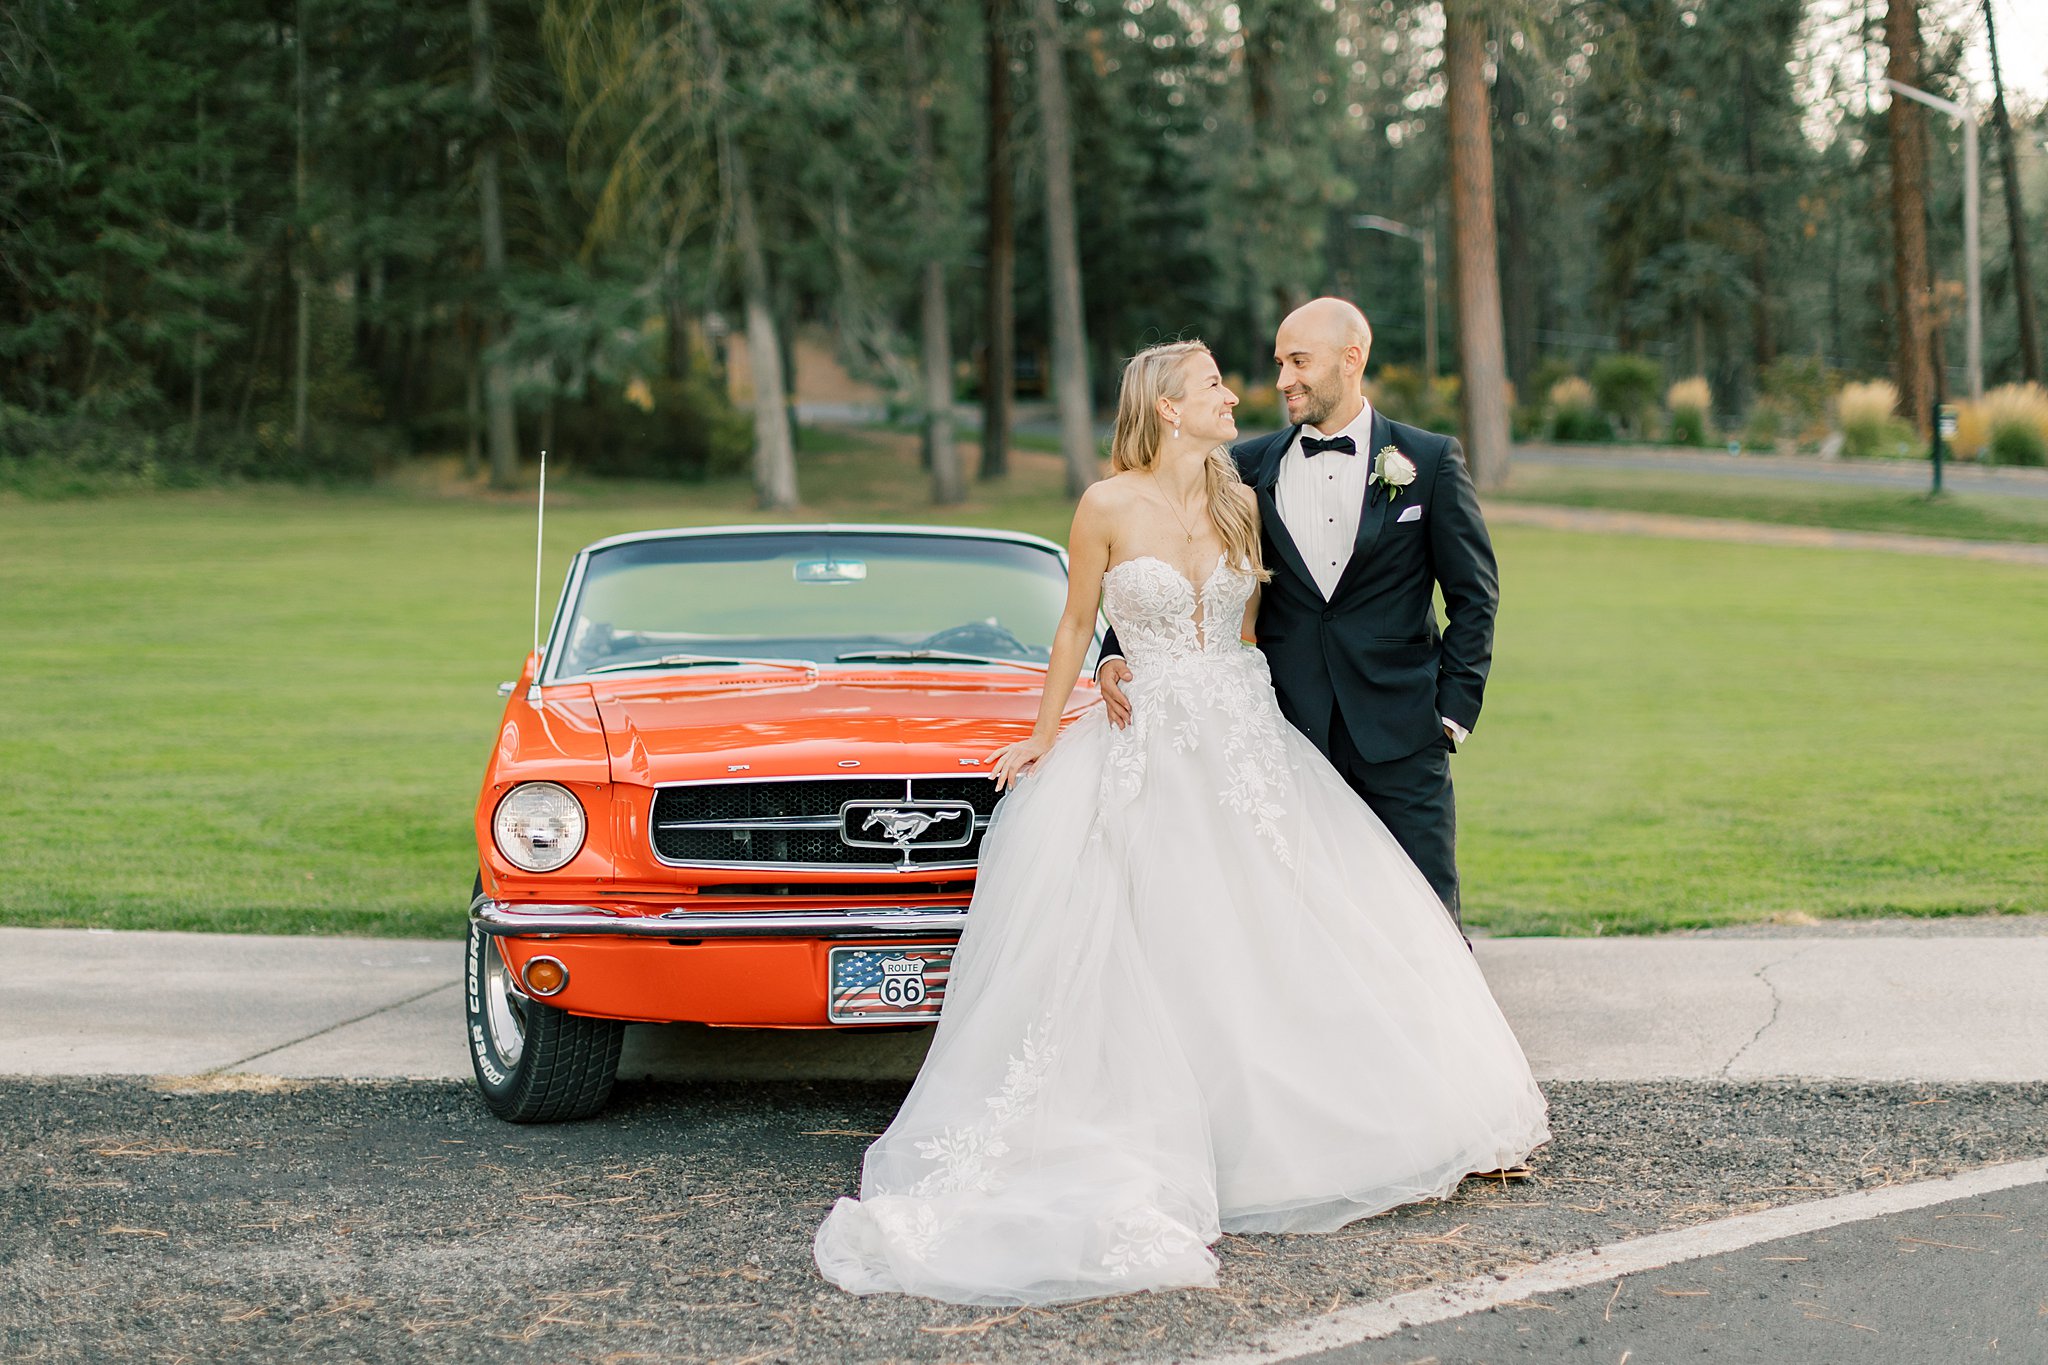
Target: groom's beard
1317,405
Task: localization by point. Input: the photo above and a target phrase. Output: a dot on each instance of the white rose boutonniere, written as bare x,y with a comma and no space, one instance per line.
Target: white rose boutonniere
1393,471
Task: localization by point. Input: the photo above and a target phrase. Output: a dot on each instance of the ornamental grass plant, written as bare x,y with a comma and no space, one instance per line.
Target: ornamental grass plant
1690,401
2009,426
1573,413
1864,412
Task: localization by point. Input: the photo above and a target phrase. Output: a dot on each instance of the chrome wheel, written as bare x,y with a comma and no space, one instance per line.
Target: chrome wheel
504,1009
535,1062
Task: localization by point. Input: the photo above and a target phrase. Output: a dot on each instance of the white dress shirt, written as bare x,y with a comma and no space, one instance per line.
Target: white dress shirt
1321,498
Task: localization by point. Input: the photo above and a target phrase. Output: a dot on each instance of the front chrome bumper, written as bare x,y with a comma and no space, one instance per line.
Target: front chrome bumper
551,921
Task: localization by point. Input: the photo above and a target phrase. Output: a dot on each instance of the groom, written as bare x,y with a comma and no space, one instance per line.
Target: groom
1363,518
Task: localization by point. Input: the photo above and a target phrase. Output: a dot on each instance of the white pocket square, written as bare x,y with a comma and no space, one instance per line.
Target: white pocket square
1412,514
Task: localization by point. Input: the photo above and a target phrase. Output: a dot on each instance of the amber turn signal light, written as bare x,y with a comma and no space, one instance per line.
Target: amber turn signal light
545,976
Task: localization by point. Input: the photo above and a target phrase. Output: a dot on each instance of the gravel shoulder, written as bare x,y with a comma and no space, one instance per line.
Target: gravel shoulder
401,1222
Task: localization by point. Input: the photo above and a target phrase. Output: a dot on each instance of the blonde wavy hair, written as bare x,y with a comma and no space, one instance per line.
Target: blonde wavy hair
1161,372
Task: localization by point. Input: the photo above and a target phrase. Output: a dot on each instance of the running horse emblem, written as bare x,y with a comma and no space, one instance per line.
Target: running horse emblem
905,827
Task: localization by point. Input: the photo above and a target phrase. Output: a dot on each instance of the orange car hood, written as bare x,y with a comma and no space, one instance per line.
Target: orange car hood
785,725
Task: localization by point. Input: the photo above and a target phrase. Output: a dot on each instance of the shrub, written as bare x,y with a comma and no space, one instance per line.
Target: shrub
1798,387
1864,412
1764,425
1403,394
1572,414
662,428
75,454
2010,426
1625,386
1690,400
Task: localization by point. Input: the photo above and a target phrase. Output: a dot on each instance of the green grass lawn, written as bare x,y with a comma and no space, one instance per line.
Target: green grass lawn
268,709
1967,516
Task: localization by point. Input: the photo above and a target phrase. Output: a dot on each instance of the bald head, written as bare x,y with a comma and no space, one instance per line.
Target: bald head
1321,350
1337,323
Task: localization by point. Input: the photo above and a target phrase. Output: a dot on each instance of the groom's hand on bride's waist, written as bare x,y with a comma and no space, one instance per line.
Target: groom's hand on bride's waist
1110,676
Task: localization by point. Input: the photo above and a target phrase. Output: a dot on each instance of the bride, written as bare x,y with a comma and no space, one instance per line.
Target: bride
1201,988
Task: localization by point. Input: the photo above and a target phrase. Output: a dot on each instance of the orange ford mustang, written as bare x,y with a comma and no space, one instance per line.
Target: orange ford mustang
743,784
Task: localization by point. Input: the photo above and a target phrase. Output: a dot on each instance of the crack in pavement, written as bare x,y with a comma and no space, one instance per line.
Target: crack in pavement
1777,1005
340,1024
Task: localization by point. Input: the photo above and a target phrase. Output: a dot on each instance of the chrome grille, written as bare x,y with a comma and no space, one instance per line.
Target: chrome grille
796,823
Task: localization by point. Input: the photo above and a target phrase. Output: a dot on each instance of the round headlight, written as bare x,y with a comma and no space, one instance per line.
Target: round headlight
539,826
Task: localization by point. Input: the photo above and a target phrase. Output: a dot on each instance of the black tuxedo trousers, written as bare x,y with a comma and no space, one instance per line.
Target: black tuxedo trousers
1367,674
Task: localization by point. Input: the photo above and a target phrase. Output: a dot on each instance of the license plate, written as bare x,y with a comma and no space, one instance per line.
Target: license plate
886,985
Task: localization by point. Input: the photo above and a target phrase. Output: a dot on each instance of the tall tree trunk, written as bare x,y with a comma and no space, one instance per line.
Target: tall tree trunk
193,450
501,425
774,447
1518,271
2015,216
302,355
266,306
1909,217
774,436
1063,255
1762,343
786,315
472,404
194,446
937,341
1481,351
1001,309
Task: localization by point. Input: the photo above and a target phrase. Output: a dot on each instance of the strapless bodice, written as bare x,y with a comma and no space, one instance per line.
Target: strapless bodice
1161,617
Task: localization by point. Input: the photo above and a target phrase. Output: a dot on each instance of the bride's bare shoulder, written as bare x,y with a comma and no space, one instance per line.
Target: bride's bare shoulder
1121,485
1114,495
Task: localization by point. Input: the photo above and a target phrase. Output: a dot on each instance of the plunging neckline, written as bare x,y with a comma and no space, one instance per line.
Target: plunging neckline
1200,591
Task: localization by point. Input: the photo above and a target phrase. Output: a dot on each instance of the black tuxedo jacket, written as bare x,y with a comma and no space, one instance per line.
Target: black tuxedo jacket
1373,651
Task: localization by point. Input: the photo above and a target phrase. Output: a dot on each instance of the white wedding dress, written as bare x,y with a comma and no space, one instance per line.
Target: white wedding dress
1201,989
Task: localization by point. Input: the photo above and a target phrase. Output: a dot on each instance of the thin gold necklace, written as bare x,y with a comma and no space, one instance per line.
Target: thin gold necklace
1183,521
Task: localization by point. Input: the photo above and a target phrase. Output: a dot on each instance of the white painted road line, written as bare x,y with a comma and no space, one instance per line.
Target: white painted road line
1370,1322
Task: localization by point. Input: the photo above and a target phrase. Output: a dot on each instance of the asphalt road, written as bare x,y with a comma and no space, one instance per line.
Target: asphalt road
1961,1281
1903,474
398,1222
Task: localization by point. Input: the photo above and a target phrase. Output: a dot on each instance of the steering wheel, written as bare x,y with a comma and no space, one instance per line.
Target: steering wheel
978,637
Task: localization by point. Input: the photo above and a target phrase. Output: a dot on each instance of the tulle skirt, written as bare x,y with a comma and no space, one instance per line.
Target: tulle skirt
1201,990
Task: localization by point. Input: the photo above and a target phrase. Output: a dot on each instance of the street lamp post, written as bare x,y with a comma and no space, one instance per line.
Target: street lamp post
1973,265
1427,238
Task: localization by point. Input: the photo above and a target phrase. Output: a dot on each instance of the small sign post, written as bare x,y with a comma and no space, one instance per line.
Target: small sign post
1944,431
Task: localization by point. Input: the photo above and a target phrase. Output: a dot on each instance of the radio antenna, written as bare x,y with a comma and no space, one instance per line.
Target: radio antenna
539,529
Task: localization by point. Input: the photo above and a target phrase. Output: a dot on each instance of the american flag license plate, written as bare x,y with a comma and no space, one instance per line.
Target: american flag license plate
886,985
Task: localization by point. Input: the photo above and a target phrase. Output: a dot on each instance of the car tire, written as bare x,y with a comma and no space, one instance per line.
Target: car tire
533,1062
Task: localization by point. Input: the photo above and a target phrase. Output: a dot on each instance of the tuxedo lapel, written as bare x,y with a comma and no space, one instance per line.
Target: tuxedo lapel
1269,505
1275,450
1372,518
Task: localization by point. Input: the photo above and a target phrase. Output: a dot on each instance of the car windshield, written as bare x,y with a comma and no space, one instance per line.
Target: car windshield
942,601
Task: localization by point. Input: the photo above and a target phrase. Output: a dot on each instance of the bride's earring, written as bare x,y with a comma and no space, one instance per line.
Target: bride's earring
1176,431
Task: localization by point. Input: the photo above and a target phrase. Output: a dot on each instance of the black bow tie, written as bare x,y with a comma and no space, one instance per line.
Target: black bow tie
1312,446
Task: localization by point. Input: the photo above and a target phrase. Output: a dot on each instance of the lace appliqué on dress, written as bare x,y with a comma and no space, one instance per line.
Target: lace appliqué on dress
1145,1237
1183,668
969,1154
